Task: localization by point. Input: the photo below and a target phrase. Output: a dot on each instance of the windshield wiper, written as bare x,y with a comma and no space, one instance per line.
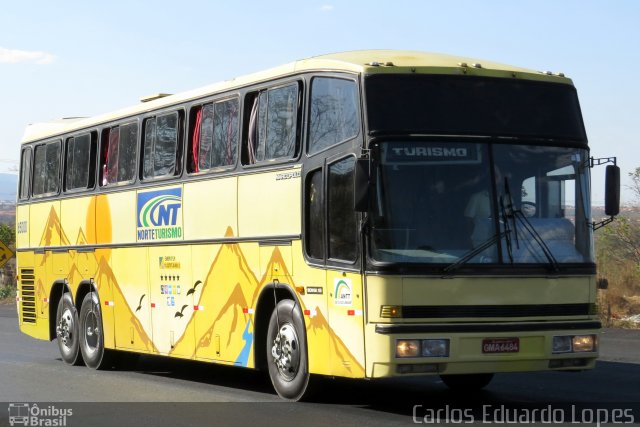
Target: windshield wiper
473,252
526,224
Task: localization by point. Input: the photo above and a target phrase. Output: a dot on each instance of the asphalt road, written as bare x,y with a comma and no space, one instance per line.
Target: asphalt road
161,391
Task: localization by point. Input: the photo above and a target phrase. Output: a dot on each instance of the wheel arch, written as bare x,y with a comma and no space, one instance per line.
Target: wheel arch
264,307
84,287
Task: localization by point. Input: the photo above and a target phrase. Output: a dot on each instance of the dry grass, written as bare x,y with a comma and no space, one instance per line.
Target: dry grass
622,299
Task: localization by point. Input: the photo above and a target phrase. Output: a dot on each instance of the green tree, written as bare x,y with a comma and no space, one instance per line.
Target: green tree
8,235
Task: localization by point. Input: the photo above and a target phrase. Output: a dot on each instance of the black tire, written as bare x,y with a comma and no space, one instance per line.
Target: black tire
68,331
286,336
467,382
91,337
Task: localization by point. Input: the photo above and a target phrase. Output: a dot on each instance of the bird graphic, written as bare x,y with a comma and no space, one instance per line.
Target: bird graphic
179,313
193,290
140,303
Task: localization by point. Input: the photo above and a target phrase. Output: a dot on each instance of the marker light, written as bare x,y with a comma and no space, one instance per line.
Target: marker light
391,311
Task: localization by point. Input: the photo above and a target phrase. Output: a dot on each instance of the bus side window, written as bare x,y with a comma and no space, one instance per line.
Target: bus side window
118,154
161,146
214,136
80,161
272,130
314,215
340,213
46,169
25,174
334,116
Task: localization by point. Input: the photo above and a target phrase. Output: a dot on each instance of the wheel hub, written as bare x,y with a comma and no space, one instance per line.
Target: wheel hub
64,331
286,352
93,331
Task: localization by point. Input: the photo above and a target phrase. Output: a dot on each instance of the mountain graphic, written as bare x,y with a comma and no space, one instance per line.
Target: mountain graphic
227,289
224,303
52,229
105,279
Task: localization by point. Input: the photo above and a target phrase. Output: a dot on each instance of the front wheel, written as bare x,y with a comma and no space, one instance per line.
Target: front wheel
287,351
91,333
467,382
67,331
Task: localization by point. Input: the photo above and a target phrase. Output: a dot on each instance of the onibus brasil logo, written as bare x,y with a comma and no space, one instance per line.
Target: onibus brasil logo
160,214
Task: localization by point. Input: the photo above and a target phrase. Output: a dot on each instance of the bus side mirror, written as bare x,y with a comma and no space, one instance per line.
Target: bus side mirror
361,186
612,191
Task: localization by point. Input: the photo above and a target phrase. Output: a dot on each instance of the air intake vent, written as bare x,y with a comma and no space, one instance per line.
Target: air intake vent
28,295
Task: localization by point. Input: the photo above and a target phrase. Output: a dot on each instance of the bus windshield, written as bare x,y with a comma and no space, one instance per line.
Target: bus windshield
480,203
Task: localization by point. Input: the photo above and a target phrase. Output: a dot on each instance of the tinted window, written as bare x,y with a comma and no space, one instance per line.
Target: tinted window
314,215
160,145
273,125
78,162
25,173
215,137
341,216
46,172
334,112
462,105
119,147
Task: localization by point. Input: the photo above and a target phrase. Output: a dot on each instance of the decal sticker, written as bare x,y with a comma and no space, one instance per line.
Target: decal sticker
342,292
160,214
168,263
314,290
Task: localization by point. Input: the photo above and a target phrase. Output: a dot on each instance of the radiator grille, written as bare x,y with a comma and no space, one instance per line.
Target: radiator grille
28,295
537,310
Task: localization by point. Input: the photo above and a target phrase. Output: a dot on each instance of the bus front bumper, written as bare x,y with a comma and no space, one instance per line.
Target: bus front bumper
479,348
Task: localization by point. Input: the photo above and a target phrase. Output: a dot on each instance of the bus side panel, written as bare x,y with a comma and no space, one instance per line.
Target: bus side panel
23,225
132,300
314,299
207,217
346,320
269,204
224,288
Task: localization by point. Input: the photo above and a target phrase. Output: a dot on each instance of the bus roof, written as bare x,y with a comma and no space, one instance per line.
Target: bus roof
362,61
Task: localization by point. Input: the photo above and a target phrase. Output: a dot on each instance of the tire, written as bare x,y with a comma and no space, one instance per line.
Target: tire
91,337
467,382
287,351
68,331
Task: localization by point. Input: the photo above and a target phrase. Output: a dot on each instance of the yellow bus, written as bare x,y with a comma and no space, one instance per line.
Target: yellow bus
365,214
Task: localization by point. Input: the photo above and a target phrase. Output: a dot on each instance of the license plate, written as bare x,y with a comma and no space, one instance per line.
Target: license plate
501,345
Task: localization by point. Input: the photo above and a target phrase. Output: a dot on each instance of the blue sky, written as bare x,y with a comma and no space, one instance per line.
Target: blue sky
80,58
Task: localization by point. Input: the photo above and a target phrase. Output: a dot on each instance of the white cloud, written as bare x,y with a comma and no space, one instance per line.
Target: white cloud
327,8
14,56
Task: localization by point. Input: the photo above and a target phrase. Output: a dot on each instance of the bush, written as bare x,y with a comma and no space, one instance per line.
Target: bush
7,292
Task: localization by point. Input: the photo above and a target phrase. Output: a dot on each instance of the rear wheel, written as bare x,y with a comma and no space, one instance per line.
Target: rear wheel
287,351
467,382
91,337
67,331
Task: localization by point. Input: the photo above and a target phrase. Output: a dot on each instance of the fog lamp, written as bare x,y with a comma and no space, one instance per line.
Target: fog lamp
584,343
435,348
407,348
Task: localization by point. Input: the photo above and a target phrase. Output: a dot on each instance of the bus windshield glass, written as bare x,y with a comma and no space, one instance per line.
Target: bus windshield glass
470,105
480,203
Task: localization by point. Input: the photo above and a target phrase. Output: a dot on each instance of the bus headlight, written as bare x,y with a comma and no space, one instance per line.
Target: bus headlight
422,348
407,348
574,344
584,343
435,348
561,344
